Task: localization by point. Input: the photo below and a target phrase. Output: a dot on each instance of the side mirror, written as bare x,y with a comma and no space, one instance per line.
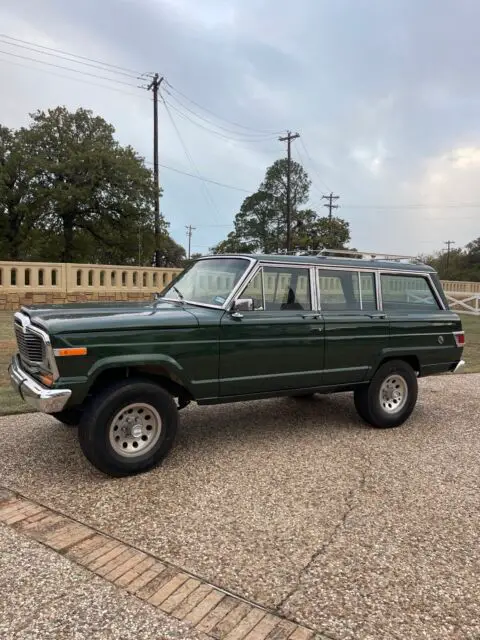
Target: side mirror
243,304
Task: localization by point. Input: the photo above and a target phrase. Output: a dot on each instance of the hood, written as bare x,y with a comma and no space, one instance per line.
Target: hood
100,316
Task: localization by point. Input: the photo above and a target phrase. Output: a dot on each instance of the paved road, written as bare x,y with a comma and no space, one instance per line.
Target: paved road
359,533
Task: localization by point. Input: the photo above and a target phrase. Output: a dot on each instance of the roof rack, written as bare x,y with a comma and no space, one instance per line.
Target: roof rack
369,255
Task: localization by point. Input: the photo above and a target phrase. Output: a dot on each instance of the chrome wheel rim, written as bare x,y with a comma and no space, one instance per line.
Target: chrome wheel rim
135,430
393,394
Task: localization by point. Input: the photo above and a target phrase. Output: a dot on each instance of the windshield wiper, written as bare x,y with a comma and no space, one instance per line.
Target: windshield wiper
178,292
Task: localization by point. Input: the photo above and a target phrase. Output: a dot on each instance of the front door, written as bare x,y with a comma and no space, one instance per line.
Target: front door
279,345
355,331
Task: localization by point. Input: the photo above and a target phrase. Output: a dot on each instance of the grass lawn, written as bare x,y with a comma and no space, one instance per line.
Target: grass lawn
11,403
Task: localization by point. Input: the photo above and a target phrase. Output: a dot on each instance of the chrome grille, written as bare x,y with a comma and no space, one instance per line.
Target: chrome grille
30,346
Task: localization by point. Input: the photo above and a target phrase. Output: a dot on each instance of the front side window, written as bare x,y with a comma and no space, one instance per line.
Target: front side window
280,289
346,290
207,281
412,294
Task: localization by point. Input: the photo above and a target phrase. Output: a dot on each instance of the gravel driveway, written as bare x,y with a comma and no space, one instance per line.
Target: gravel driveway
356,532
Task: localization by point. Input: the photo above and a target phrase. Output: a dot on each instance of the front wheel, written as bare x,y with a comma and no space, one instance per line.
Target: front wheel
128,428
390,397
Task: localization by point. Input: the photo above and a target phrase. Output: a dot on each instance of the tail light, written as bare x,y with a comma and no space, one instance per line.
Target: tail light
459,338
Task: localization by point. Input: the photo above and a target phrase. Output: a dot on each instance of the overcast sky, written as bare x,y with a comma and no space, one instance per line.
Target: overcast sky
385,95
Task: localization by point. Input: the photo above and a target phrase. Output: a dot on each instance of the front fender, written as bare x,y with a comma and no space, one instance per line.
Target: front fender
168,364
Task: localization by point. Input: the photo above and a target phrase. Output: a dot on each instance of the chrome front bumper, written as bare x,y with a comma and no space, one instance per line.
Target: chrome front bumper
35,394
459,366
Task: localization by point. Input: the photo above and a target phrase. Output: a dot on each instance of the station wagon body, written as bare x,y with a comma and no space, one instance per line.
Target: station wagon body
231,328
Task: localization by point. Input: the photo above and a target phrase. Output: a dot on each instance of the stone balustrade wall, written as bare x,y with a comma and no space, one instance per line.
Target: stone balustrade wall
56,283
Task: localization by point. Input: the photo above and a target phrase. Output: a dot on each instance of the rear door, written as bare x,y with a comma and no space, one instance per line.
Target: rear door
419,324
356,330
280,344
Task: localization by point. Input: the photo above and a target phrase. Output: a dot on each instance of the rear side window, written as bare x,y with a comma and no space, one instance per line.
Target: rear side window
346,290
412,294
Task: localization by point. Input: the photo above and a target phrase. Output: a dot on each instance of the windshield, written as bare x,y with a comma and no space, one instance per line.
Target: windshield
207,281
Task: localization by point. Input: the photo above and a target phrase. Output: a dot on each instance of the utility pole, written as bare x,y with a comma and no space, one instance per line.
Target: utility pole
153,87
330,206
449,244
190,229
288,139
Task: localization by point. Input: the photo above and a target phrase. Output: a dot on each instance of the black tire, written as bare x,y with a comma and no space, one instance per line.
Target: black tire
96,430
385,414
69,417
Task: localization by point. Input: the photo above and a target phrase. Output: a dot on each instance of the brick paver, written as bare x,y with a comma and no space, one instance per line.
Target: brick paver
193,599
217,614
173,601
246,625
210,610
146,577
197,614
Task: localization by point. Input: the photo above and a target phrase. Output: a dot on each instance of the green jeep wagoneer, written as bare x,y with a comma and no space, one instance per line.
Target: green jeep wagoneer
236,327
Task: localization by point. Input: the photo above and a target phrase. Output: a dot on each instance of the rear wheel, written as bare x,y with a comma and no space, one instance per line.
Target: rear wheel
129,427
390,397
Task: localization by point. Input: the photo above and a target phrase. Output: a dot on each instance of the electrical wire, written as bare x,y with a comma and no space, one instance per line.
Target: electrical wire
313,166
211,131
207,193
232,123
302,162
62,57
248,136
200,177
62,75
59,66
74,55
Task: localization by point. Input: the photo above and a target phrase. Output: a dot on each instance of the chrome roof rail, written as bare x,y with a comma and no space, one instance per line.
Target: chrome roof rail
368,255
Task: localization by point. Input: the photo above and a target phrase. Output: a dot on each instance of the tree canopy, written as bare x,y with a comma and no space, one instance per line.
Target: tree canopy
459,264
260,225
70,192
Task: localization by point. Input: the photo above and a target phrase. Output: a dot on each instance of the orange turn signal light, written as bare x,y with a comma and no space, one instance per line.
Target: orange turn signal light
71,351
47,379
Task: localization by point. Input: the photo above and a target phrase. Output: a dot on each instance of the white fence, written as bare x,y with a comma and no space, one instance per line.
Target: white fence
469,305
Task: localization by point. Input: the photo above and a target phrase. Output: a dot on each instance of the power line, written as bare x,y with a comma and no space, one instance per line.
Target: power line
235,124
189,157
212,131
75,79
59,66
74,55
312,163
302,162
249,136
69,59
203,179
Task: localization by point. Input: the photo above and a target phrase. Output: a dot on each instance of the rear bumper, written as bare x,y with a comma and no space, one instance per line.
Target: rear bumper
35,394
459,366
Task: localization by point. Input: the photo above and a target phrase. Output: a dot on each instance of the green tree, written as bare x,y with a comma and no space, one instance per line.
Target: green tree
89,184
70,192
260,225
17,189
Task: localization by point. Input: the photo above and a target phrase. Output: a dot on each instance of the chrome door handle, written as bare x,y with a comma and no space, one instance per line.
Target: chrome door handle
316,330
377,316
311,316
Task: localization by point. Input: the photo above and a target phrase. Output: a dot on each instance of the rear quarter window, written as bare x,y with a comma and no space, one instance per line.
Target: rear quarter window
412,294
